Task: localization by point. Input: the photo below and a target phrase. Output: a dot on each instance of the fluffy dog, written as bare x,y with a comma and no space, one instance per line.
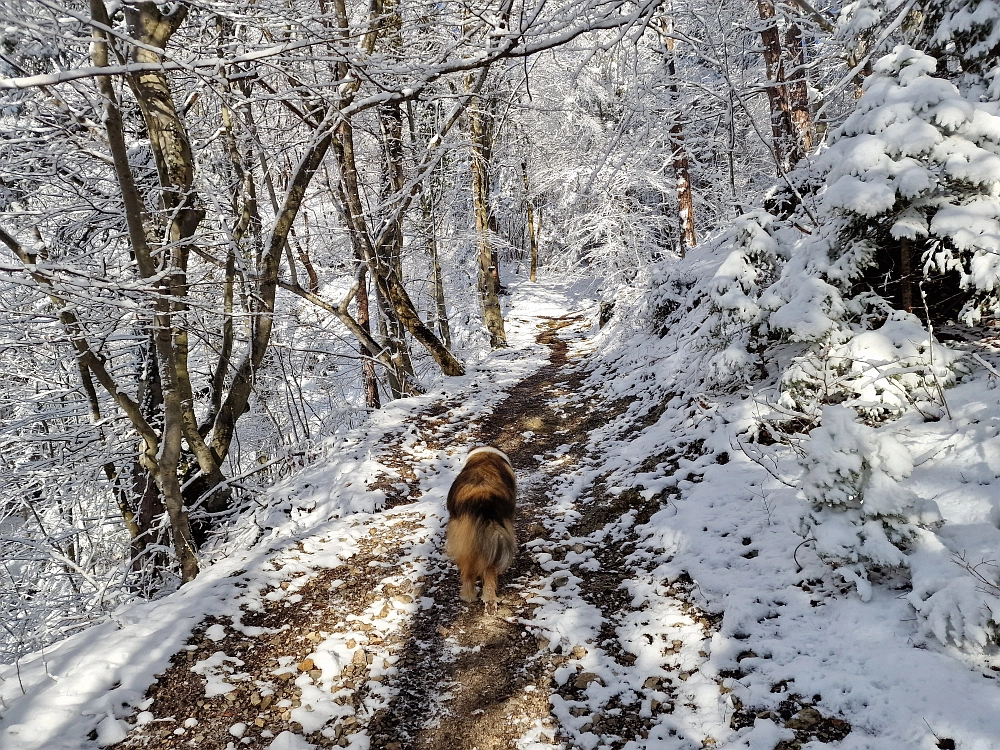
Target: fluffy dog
480,535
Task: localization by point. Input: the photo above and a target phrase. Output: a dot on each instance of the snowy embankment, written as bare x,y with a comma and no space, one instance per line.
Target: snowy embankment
907,658
671,599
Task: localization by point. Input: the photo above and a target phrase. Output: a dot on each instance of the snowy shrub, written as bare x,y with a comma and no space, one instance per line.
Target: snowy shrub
915,169
953,604
881,373
921,161
751,265
859,514
968,31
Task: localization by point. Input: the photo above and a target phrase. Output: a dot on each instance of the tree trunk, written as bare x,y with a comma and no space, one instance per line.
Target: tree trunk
798,88
391,248
387,283
372,400
784,142
170,487
489,279
440,305
532,239
678,153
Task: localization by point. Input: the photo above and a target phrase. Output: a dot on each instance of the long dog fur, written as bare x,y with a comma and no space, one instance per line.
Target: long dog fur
480,535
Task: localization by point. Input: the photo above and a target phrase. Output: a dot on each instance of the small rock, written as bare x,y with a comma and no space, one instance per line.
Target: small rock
231,696
543,643
586,727
653,704
285,676
805,719
578,711
393,746
585,678
403,599
578,652
315,674
285,585
579,549
651,683
266,700
306,664
683,676
255,699
351,643
359,658
259,722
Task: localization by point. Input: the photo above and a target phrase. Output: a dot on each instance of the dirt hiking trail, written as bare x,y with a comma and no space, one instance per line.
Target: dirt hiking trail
377,651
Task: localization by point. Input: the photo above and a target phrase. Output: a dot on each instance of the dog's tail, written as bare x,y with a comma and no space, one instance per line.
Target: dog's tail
481,544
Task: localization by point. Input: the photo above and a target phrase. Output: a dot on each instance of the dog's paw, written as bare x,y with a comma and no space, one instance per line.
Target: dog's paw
468,596
491,608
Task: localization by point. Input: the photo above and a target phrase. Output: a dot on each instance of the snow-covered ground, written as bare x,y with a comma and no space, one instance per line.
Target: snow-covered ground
664,598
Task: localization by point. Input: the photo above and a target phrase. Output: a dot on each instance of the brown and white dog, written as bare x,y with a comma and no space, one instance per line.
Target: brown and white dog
480,536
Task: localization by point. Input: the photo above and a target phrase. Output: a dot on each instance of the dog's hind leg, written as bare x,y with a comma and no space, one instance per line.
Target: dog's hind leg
468,575
490,590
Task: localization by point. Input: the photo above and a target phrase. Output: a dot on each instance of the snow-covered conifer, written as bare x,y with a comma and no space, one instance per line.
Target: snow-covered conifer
859,514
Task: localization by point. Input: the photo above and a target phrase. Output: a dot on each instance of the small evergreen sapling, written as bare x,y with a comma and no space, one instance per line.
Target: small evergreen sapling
859,513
